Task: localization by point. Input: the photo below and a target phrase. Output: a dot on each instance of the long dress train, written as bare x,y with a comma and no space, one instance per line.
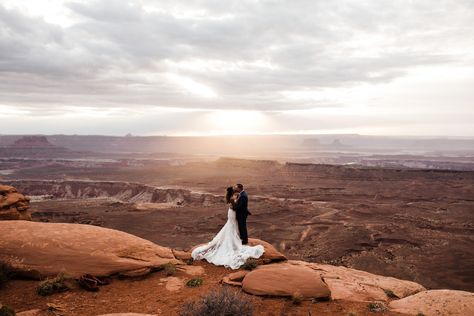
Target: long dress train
226,248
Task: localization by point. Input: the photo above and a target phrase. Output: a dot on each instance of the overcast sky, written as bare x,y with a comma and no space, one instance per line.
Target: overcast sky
232,67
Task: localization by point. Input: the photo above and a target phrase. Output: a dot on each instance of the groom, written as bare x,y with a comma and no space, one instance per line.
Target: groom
242,211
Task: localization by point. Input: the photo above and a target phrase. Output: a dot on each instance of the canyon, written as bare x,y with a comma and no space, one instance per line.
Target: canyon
392,222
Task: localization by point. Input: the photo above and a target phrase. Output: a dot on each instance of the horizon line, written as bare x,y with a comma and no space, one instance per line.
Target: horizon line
246,135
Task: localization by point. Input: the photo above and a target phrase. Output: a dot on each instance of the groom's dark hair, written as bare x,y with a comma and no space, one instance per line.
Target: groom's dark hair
240,186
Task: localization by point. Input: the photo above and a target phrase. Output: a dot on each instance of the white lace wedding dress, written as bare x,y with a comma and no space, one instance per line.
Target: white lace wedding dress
226,248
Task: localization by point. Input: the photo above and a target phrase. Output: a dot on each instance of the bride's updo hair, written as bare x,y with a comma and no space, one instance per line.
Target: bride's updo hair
229,193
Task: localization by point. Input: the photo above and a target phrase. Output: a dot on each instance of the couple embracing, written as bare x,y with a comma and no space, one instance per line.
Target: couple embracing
229,247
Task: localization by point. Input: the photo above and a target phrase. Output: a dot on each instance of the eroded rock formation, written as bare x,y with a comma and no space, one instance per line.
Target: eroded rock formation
38,250
356,285
120,191
42,249
436,303
285,280
13,204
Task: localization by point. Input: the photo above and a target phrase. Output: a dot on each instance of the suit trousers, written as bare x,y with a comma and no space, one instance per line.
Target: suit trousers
242,222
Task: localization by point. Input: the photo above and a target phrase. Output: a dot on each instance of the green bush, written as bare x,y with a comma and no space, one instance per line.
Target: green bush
51,286
390,294
6,273
7,311
170,269
194,282
223,302
250,264
297,299
376,307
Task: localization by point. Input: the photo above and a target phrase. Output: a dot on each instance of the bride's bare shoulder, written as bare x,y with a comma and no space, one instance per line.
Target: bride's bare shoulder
233,200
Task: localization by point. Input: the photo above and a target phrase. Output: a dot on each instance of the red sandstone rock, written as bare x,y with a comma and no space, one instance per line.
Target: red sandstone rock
436,303
182,255
235,278
270,254
44,249
13,205
356,285
285,280
127,314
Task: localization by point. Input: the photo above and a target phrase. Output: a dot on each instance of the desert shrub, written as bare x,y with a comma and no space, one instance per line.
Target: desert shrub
320,299
194,282
376,307
297,298
420,314
7,311
190,262
250,264
51,286
390,293
170,269
6,273
221,302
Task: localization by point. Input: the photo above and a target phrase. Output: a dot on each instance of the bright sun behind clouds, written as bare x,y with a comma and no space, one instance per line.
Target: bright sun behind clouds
237,122
196,67
191,86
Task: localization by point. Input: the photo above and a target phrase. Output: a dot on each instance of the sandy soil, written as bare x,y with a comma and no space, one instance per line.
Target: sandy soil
149,295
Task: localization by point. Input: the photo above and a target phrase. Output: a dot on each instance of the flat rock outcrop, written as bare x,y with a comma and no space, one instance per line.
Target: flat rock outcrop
31,312
127,314
182,255
356,285
235,278
13,204
37,250
436,303
285,280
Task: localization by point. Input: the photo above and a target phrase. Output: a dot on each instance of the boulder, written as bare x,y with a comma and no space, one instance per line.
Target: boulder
436,302
173,284
37,250
270,254
356,285
182,255
285,280
235,278
13,204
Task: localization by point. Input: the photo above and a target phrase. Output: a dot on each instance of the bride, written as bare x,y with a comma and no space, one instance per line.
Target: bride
226,248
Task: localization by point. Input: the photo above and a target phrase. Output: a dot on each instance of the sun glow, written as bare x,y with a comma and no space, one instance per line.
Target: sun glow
191,86
237,122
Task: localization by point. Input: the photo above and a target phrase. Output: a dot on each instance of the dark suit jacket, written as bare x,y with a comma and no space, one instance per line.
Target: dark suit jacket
241,207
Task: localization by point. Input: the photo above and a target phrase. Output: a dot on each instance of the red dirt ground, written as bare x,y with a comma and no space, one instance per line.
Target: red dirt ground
147,295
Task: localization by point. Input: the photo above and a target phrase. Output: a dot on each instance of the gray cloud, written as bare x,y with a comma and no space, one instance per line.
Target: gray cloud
121,53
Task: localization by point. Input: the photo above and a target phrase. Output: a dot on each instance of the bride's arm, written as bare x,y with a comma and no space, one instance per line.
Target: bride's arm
233,202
